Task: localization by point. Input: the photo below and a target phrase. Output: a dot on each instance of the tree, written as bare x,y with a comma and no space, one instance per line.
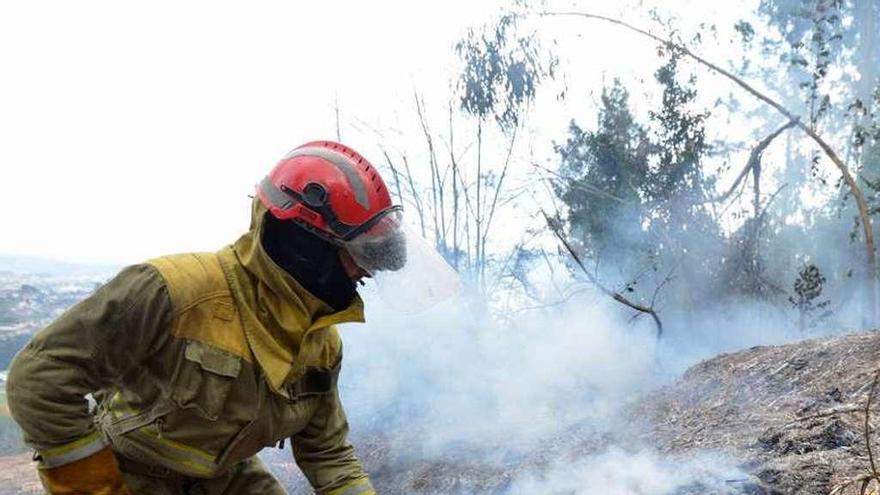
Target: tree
637,204
502,71
818,36
807,289
605,173
744,268
813,36
681,140
680,224
864,220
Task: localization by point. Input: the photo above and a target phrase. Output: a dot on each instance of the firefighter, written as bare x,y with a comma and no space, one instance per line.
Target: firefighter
198,361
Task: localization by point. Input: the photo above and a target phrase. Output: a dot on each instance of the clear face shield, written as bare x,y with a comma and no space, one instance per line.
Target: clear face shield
410,275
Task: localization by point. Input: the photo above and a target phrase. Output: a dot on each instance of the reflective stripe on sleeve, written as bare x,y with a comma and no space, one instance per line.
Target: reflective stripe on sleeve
357,487
186,459
73,451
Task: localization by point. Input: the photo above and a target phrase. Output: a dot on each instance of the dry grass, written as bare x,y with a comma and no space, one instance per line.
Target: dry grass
794,414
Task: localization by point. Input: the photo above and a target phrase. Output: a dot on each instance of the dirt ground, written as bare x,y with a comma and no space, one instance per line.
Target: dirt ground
17,476
792,416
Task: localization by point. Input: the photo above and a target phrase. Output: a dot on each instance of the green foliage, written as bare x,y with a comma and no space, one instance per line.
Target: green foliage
636,194
607,171
814,33
502,71
681,139
640,198
746,30
683,230
807,288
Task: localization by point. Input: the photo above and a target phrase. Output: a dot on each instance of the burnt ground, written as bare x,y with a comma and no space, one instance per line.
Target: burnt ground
790,416
399,470
793,415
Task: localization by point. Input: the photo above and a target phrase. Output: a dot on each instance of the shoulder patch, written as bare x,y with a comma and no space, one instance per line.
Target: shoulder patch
204,309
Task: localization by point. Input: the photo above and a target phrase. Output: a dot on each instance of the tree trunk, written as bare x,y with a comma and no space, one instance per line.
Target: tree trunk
455,212
478,209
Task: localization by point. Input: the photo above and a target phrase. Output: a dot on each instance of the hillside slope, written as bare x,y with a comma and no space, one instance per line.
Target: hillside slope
793,415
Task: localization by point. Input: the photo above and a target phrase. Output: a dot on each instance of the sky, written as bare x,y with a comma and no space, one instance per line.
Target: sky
131,130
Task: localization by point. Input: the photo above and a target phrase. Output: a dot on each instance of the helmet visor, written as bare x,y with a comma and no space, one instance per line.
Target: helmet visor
382,247
410,275
423,281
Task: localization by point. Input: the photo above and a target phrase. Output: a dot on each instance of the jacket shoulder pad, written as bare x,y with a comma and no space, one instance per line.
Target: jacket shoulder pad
191,278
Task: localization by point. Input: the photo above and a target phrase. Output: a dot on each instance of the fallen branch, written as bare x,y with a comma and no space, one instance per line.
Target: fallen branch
873,471
871,475
605,290
846,409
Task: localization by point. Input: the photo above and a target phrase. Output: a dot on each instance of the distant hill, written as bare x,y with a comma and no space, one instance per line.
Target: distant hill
46,266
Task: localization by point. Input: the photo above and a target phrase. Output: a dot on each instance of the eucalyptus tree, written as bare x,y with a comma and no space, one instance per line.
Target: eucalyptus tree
502,70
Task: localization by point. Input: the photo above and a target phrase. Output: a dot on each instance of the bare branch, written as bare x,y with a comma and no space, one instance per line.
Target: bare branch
583,186
394,173
754,161
455,193
868,426
770,201
436,186
499,186
412,187
666,280
617,296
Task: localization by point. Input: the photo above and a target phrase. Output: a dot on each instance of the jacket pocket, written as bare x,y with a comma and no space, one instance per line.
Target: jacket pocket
204,379
118,418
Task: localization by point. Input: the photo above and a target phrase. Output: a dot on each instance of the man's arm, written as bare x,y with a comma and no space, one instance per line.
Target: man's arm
324,455
87,348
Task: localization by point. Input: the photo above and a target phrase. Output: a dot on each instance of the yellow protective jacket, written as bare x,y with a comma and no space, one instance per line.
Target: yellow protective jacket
196,362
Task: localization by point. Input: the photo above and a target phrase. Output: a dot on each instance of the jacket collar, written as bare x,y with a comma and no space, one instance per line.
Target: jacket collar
278,314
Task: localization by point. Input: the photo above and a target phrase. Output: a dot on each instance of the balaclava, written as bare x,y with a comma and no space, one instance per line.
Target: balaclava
312,261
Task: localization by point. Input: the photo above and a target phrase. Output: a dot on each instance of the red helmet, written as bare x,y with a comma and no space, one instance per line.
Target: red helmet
336,193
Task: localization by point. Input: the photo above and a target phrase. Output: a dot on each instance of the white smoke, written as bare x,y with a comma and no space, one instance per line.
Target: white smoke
460,377
618,472
552,385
